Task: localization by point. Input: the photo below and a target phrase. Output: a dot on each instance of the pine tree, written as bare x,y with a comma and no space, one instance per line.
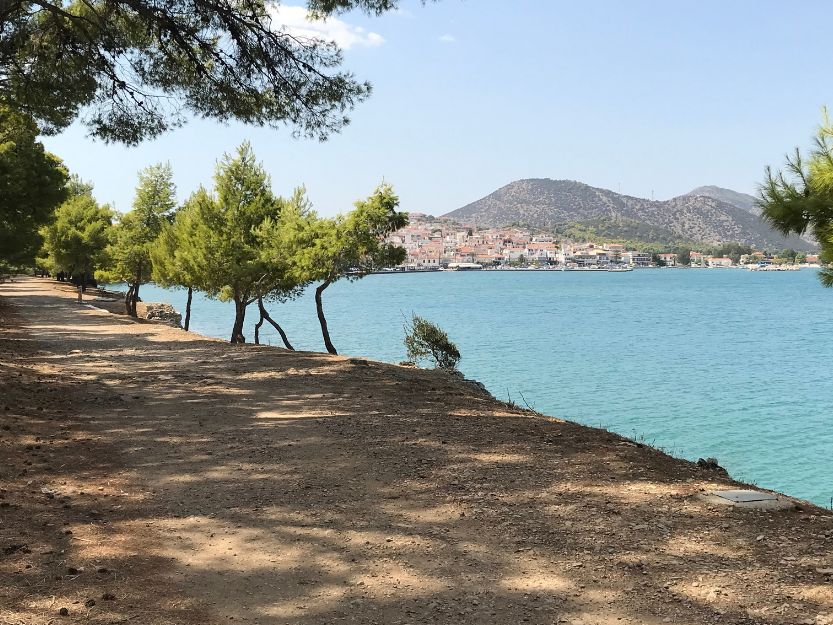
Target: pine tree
75,241
133,69
279,247
176,256
129,254
800,198
349,247
229,246
32,186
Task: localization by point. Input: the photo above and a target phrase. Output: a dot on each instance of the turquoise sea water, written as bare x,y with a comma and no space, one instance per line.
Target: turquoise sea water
725,363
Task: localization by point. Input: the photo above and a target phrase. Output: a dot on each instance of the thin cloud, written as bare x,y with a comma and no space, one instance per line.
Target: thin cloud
447,38
295,20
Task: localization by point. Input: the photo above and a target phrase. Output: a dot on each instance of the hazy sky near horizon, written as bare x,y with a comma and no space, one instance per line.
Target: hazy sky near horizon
638,96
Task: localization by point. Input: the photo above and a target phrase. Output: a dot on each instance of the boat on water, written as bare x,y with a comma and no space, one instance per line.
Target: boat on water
774,267
621,269
464,266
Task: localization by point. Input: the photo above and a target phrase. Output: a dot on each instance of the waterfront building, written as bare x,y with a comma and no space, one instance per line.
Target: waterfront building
719,261
641,259
541,252
669,260
513,253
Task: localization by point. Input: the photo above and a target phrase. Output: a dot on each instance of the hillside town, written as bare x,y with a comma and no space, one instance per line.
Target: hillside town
440,243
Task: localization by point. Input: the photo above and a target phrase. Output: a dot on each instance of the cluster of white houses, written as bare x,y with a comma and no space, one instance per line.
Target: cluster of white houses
761,259
434,243
438,243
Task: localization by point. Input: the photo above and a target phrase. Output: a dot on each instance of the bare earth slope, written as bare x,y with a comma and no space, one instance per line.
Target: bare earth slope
175,479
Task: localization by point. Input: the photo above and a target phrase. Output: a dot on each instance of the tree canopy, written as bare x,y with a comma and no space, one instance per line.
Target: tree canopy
32,185
228,243
132,69
135,234
176,255
75,241
799,198
349,246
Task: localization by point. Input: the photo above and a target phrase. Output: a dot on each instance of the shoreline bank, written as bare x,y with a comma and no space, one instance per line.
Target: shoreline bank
673,377
250,482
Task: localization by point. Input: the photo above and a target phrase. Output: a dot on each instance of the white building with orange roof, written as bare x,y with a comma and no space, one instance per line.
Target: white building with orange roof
542,252
669,260
718,261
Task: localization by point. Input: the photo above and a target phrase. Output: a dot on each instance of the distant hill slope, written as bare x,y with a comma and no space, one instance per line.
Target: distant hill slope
741,200
552,204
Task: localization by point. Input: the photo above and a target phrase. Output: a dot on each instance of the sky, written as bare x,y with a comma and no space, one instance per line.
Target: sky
646,97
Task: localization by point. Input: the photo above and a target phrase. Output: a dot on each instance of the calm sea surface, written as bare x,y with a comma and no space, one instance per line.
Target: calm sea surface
725,363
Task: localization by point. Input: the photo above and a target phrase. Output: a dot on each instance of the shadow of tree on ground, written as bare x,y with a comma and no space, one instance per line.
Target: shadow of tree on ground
203,482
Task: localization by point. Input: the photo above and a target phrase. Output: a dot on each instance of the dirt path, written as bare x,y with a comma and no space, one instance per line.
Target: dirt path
171,478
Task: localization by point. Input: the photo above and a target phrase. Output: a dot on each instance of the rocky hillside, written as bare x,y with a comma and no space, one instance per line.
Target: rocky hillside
552,204
741,200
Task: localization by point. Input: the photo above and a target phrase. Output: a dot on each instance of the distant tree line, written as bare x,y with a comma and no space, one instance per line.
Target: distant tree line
236,242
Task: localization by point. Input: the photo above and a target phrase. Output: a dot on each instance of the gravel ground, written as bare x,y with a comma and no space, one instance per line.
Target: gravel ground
149,475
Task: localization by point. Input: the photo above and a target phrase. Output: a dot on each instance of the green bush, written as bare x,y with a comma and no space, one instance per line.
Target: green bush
424,340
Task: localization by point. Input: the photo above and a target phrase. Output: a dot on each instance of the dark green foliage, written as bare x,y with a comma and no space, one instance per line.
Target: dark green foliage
32,185
619,230
132,69
350,246
230,243
75,241
788,254
424,340
729,250
376,7
649,239
135,235
799,198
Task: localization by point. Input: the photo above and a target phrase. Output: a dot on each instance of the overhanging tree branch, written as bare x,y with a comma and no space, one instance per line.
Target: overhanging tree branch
134,68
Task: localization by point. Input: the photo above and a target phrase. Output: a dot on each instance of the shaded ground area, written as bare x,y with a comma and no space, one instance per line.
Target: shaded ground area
171,478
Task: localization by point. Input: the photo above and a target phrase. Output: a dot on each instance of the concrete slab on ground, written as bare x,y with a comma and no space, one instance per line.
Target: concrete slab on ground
753,499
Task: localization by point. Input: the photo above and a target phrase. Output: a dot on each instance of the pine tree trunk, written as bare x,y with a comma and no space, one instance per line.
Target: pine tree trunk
127,298
257,328
264,314
134,298
188,309
239,318
321,319
134,292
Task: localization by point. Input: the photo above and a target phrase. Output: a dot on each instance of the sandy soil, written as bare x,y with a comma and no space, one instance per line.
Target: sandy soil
148,475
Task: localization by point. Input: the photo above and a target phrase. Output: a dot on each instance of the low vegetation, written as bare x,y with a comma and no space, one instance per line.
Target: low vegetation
427,341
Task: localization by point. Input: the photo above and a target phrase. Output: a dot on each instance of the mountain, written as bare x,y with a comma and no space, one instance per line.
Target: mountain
567,204
741,200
